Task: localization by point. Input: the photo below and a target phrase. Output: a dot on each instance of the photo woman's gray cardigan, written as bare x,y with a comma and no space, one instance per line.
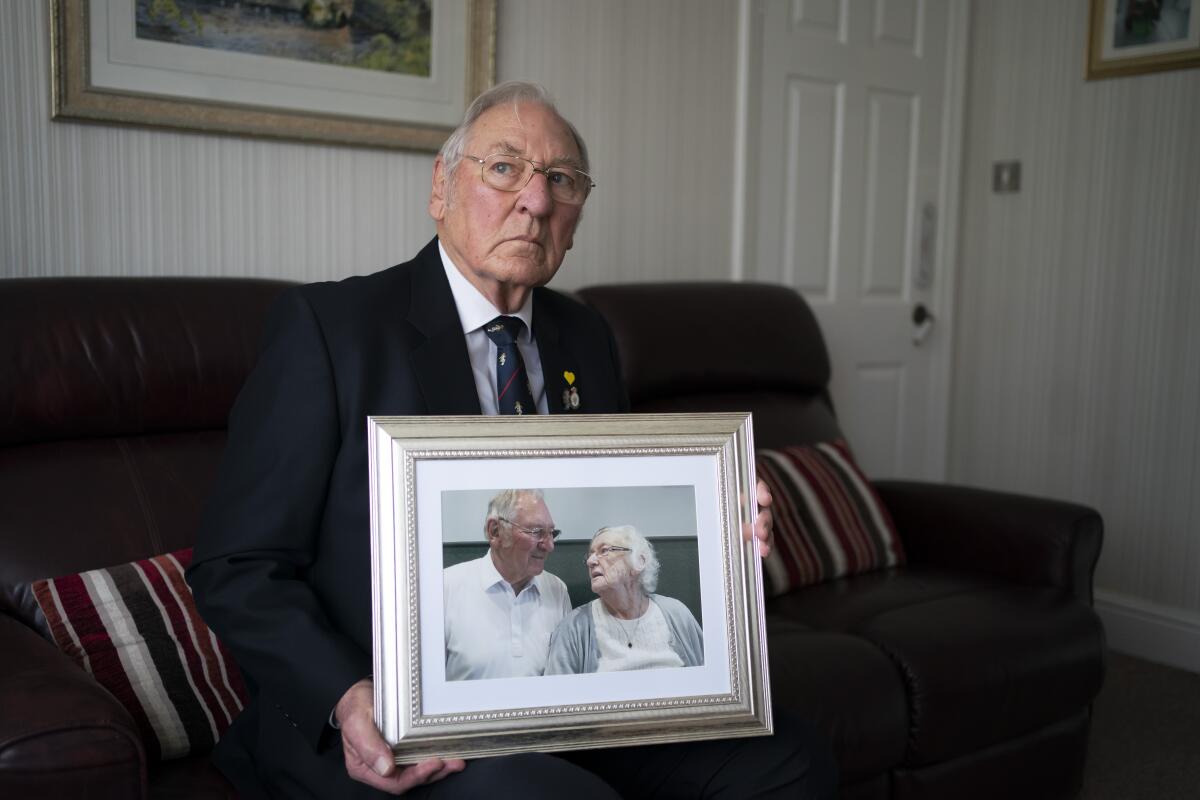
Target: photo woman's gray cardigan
573,648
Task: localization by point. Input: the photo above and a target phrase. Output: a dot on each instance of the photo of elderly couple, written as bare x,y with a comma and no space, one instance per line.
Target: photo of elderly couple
570,581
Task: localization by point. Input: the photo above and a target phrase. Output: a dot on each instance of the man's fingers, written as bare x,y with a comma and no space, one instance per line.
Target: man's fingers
430,770
764,524
764,494
449,767
759,534
368,756
368,746
763,527
402,779
356,715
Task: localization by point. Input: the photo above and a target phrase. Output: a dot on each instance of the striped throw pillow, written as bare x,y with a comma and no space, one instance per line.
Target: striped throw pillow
135,628
829,520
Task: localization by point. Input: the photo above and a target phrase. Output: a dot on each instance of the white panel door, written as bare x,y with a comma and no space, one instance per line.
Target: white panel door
850,158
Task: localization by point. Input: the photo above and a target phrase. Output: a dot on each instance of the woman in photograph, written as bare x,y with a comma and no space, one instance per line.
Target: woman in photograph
627,626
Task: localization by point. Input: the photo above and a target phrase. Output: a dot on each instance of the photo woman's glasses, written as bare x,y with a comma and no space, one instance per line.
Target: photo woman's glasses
606,550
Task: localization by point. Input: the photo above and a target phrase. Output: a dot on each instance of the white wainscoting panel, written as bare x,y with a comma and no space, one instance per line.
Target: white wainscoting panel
813,118
891,162
820,17
1077,370
896,23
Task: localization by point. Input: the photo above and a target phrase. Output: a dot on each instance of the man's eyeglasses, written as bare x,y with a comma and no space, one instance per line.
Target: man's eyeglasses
539,534
606,550
510,173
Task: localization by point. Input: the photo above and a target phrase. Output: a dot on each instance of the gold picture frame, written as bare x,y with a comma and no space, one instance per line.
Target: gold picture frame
102,72
1133,37
618,469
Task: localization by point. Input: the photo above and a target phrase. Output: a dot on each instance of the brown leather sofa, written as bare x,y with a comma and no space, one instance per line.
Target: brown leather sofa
968,673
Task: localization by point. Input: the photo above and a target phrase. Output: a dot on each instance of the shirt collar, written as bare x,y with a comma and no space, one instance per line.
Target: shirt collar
489,576
475,310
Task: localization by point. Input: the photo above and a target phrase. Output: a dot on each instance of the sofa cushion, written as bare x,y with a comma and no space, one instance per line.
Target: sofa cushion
829,522
77,504
848,688
989,665
135,628
1047,763
847,604
104,356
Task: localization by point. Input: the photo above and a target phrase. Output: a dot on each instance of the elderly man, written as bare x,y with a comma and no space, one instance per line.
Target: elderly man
281,565
502,608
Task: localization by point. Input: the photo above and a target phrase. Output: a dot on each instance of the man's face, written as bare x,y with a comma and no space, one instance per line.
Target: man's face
517,555
506,243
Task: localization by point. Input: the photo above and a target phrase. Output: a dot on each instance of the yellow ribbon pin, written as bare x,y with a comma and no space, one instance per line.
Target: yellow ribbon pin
570,377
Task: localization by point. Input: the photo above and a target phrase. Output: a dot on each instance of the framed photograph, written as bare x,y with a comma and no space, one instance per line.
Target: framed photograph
558,582
380,73
1128,37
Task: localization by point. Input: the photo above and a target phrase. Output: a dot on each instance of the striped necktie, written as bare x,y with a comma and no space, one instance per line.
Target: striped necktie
512,382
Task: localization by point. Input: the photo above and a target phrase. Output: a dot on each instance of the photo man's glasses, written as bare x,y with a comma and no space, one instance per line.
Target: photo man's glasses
539,534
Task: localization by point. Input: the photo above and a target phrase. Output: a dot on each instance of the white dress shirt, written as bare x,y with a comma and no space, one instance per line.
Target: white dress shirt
475,311
492,632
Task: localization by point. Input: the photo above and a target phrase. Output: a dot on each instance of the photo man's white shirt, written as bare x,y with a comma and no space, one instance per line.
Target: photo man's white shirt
492,632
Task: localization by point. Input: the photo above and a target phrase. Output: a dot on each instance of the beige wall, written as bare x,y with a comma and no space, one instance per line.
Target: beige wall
1077,370
651,85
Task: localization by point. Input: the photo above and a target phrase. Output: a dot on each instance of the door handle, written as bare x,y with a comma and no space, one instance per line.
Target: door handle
923,321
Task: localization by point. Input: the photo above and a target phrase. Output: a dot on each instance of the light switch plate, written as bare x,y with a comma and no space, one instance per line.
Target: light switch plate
1006,177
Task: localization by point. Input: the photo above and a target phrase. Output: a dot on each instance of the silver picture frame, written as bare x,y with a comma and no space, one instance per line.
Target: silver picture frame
419,469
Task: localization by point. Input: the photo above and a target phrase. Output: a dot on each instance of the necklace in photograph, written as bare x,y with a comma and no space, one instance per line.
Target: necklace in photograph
628,636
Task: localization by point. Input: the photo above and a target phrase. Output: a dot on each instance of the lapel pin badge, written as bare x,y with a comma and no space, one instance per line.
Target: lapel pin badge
571,393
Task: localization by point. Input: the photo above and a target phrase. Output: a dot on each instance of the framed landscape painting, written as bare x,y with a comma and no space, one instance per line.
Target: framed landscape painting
684,481
1129,37
383,73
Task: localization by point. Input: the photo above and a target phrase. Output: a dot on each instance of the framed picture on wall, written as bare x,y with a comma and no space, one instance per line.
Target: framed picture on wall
381,73
1128,37
647,619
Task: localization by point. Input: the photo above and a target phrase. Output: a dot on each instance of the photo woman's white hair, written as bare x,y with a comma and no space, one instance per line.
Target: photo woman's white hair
642,552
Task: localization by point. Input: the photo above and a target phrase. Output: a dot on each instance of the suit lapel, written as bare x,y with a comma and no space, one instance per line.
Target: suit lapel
441,364
554,354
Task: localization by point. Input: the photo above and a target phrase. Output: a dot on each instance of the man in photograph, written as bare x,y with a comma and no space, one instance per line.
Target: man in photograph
501,609
281,568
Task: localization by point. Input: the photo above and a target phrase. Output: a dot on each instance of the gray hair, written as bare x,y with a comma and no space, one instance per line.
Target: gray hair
505,503
641,548
515,92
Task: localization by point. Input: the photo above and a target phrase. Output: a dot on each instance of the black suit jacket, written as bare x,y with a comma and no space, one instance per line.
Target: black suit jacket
281,569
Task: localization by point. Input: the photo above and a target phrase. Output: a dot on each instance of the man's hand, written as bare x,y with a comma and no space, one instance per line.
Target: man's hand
764,523
369,758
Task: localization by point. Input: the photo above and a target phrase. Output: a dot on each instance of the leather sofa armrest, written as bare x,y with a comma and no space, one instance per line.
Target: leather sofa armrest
61,734
1025,539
